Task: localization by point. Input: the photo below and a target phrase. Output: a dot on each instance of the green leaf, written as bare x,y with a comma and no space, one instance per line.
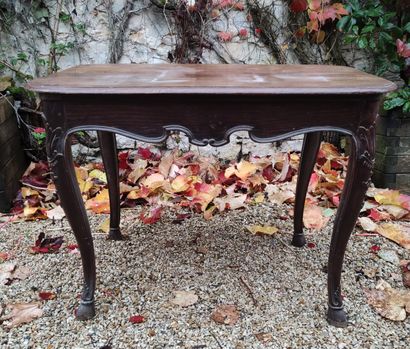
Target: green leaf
368,28
343,23
394,103
406,107
362,42
407,27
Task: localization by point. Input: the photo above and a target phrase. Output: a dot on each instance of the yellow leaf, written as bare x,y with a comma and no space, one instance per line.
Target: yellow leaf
29,211
242,170
154,181
136,174
395,232
99,175
81,173
28,192
259,198
100,203
85,186
105,226
262,229
180,184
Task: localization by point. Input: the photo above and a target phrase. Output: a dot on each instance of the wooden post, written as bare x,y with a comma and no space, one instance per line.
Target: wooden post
12,159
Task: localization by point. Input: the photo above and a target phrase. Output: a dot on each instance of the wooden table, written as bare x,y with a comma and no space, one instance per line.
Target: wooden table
208,103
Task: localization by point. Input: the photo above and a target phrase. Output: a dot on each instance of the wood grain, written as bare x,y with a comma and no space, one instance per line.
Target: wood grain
210,79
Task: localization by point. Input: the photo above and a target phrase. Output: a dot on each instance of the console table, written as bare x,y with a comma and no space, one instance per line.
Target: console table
208,103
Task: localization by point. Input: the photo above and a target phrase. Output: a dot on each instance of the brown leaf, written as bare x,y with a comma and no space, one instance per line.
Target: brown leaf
10,272
165,164
405,267
264,337
226,314
22,313
184,298
389,302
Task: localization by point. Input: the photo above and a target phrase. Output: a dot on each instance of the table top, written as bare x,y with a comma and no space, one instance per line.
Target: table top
210,79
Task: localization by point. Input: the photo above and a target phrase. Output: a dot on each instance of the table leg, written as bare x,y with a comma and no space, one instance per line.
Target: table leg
357,181
61,164
108,147
311,144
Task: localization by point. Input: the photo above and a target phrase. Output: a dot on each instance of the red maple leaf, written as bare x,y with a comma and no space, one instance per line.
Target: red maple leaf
46,296
123,160
145,153
153,216
137,319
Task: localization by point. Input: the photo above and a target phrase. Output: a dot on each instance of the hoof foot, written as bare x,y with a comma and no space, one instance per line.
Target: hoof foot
115,234
85,311
337,317
299,240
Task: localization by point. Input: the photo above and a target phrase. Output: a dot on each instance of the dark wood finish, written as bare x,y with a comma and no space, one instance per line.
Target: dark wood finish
108,146
311,144
209,103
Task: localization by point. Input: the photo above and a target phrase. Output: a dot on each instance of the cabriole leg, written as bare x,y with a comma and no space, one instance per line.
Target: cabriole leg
357,181
61,163
108,147
311,143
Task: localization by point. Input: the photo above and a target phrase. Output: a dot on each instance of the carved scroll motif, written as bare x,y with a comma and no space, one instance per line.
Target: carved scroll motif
366,150
54,147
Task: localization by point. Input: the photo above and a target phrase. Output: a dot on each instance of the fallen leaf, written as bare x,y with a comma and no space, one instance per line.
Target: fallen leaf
22,313
153,216
389,302
98,174
405,267
231,202
184,298
180,184
242,170
100,203
264,337
105,225
396,211
226,314
73,248
313,217
375,248
4,256
389,256
56,213
137,319
265,229
395,232
153,181
367,224
47,244
165,164
46,296
311,245
181,217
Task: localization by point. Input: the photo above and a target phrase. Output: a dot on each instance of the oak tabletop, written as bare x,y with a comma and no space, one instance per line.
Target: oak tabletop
210,79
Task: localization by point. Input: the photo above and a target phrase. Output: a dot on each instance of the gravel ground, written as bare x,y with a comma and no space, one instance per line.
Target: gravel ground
286,297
